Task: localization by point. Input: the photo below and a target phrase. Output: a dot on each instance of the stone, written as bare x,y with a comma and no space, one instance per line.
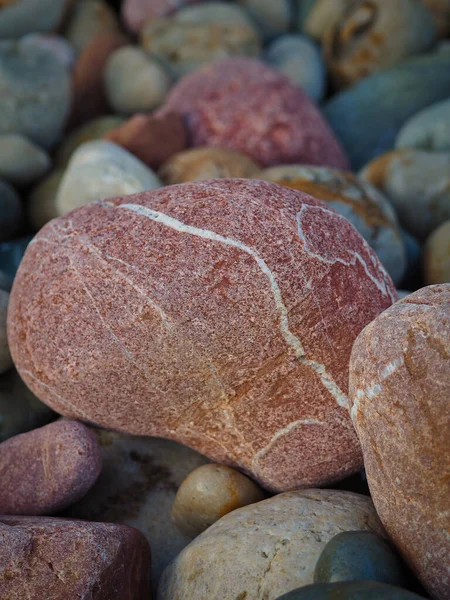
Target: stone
136,12
273,18
137,486
367,117
301,60
399,389
11,254
359,202
418,185
5,356
208,493
428,130
134,81
20,17
151,138
207,163
243,105
58,45
31,81
350,590
41,206
90,19
10,210
21,161
45,557
359,556
440,9
95,129
437,255
99,170
89,96
47,469
265,549
20,410
198,35
372,36
324,15
253,374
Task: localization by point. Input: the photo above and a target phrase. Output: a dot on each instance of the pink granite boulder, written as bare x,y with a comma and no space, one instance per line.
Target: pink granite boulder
58,559
220,314
244,105
47,469
136,12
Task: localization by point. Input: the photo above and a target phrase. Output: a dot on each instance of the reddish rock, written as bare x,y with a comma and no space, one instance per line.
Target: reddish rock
47,469
220,314
89,97
58,559
399,390
136,12
151,138
244,105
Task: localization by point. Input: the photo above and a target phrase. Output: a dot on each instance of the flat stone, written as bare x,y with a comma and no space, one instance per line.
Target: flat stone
21,161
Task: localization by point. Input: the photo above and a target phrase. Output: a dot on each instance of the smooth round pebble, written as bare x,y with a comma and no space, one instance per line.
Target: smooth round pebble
11,211
99,170
428,130
134,81
136,12
5,355
41,205
207,163
301,60
351,590
35,92
89,19
30,16
436,258
359,556
58,45
197,35
273,18
208,493
21,161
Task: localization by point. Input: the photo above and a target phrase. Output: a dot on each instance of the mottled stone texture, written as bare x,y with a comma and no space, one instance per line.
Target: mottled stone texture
220,314
58,559
244,105
399,390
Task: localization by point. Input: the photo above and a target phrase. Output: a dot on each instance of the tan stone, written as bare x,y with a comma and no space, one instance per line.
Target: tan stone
437,256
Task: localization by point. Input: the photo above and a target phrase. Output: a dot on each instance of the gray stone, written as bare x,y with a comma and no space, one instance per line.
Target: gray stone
273,18
11,211
21,161
30,16
429,129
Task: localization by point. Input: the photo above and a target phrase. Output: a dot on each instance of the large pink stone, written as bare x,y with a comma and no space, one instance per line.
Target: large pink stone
220,314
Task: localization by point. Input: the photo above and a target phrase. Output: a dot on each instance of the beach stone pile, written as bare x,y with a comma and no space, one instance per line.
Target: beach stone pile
224,299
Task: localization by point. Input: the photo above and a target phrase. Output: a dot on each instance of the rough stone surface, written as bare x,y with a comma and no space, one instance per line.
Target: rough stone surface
5,356
11,211
136,12
429,129
208,493
151,138
41,206
399,389
88,20
137,486
351,590
244,105
358,201
20,17
207,163
254,373
21,161
437,256
265,549
43,557
47,469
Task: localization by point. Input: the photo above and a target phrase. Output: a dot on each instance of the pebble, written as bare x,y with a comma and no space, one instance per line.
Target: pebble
58,45
136,12
20,410
21,161
437,255
208,493
301,60
99,170
399,389
47,469
41,205
418,185
44,557
152,138
137,486
244,105
10,210
5,356
272,18
197,35
29,16
88,20
265,549
207,163
31,80
350,590
134,81
371,36
132,277
359,556
359,202
367,117
428,130
323,15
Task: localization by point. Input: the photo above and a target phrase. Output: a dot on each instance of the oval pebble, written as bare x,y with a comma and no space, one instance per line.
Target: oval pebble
10,210
428,130
437,255
21,161
5,355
